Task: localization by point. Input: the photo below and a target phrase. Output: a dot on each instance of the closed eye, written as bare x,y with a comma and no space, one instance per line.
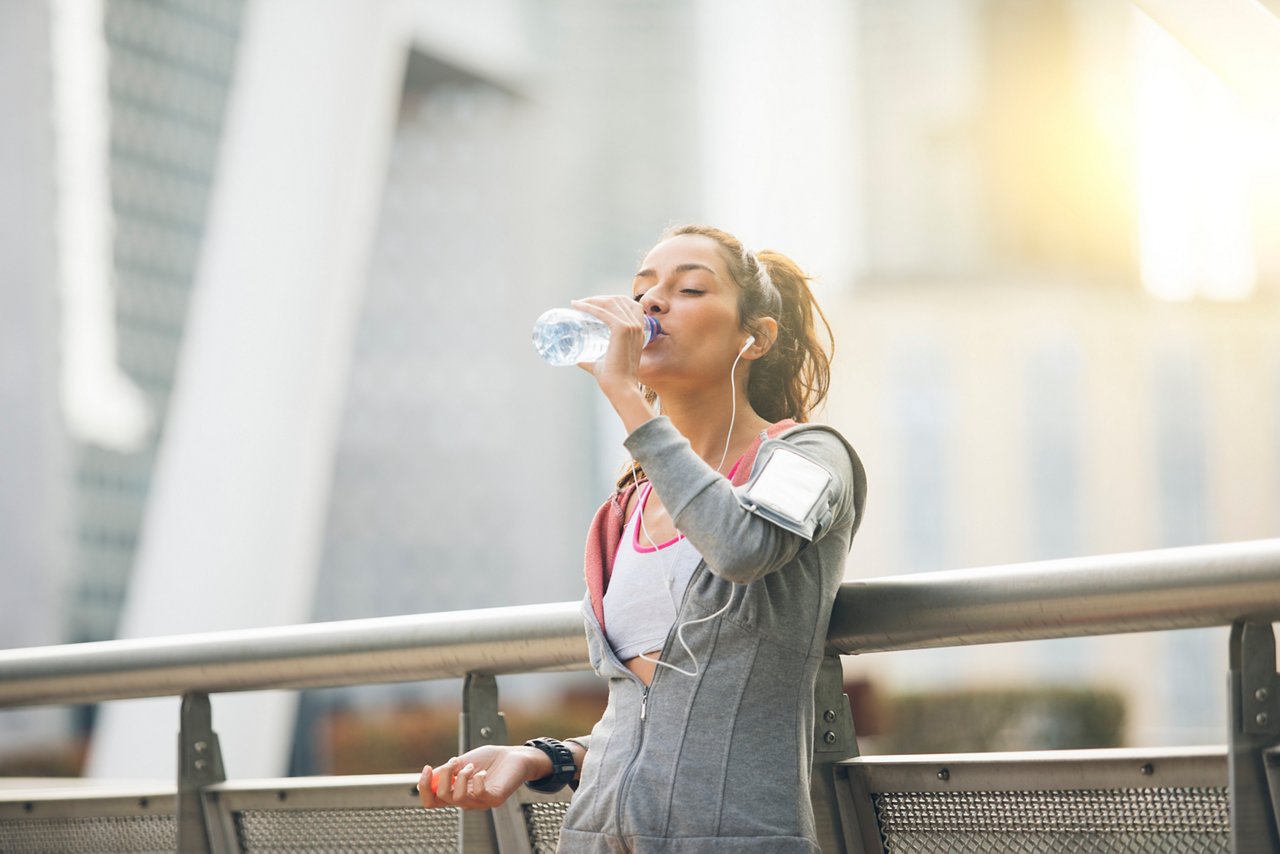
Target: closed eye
638,297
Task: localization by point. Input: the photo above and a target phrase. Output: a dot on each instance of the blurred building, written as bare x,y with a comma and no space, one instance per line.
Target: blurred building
35,489
502,163
449,413
486,220
170,72
1032,421
151,79
995,135
1063,343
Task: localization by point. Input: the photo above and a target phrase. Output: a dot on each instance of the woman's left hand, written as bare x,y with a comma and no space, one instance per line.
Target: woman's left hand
626,337
617,372
481,778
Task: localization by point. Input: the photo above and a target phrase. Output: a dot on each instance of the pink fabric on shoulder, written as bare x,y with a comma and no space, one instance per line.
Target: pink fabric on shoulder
602,544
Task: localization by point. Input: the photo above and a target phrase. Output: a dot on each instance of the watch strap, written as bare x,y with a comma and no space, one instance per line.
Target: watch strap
563,766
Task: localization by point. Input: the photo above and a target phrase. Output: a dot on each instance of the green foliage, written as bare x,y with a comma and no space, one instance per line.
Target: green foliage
979,720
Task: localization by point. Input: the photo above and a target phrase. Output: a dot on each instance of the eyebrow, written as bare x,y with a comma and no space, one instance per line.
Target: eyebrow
648,273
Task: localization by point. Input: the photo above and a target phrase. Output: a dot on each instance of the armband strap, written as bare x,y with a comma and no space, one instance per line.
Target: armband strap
789,490
563,768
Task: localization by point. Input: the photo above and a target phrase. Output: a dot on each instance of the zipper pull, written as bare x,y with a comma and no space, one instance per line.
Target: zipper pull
644,703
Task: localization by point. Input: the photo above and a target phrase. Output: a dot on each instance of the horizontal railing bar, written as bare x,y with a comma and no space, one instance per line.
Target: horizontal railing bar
522,639
1046,770
1160,590
1182,588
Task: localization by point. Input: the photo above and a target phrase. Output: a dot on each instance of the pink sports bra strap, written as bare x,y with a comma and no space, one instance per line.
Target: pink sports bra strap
638,528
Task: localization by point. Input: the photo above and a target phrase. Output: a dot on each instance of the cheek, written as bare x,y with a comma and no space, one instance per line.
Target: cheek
720,327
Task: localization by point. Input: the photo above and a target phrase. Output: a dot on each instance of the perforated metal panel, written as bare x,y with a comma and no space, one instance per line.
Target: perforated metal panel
142,834
542,821
1116,821
375,831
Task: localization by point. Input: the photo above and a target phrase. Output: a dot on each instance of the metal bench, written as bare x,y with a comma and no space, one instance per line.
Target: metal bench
68,819
1097,801
368,813
1052,802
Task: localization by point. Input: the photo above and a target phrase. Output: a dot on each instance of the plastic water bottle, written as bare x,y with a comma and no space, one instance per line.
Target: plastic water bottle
566,336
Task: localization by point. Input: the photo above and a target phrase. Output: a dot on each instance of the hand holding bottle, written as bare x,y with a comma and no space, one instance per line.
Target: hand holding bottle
617,371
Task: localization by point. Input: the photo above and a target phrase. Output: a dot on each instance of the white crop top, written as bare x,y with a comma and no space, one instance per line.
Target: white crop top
645,587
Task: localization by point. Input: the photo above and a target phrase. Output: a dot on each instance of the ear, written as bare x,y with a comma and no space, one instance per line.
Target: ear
765,332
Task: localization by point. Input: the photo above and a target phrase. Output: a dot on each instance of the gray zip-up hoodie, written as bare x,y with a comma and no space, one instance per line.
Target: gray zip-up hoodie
719,761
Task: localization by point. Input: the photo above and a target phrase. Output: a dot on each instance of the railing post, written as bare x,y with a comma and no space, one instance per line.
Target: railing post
1254,707
199,765
833,740
480,723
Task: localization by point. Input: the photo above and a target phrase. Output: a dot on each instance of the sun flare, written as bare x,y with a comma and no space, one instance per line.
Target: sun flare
1196,147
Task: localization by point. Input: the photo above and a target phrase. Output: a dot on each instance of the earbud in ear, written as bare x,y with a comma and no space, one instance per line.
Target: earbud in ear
751,339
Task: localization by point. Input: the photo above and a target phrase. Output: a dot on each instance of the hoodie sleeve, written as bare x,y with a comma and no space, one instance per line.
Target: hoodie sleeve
746,532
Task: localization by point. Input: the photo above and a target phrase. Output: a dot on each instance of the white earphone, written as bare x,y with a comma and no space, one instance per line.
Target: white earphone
751,339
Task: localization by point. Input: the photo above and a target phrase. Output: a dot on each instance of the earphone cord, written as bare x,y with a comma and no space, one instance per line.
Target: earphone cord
733,414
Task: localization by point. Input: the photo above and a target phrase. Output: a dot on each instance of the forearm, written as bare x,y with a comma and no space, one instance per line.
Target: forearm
537,762
628,401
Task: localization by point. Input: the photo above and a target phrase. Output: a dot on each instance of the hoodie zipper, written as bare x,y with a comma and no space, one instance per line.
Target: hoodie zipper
626,772
644,703
644,709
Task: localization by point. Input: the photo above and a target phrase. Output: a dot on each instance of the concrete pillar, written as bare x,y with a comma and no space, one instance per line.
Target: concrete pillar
232,533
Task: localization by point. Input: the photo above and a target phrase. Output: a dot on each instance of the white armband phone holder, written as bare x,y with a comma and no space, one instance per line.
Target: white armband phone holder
792,491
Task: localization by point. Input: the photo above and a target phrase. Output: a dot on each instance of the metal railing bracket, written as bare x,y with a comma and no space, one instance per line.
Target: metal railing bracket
1255,733
199,765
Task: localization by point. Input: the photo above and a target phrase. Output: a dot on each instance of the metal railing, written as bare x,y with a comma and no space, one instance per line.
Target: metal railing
1150,591
1185,588
1235,584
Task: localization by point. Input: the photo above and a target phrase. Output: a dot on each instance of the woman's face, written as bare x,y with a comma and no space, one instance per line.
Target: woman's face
685,282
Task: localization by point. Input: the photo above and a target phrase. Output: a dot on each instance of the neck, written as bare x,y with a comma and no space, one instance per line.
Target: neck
706,423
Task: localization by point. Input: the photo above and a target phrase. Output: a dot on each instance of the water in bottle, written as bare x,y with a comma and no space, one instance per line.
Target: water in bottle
566,336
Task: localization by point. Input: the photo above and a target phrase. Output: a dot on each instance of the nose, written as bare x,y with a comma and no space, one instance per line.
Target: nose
653,301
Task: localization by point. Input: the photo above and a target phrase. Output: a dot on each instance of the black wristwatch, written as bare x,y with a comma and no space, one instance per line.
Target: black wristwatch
563,768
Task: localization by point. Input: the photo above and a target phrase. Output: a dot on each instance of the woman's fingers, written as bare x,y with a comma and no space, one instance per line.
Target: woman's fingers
438,792
618,312
446,786
424,787
622,310
479,779
461,784
427,788
477,787
627,327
